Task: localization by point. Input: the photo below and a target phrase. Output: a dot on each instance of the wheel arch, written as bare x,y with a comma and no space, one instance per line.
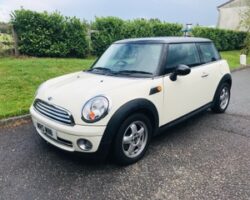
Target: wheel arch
227,78
134,106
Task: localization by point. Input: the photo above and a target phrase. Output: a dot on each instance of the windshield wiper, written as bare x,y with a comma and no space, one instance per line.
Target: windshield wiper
133,72
100,68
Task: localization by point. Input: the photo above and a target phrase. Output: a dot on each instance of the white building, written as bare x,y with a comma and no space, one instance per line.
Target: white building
230,14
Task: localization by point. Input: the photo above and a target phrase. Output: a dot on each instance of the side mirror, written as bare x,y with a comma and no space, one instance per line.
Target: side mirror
181,70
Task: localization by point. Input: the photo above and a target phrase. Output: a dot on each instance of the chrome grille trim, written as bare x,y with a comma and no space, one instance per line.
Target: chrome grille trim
54,112
51,108
51,112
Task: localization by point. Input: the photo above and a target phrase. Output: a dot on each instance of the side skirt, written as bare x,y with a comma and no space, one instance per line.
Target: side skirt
183,118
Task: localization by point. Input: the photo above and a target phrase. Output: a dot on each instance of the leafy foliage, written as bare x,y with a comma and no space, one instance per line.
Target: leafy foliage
5,28
245,23
110,29
224,40
105,31
6,44
49,35
53,35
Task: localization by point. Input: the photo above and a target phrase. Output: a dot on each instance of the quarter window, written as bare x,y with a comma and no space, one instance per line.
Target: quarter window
178,54
209,52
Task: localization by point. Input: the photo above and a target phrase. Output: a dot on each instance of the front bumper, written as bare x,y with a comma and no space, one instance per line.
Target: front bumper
65,137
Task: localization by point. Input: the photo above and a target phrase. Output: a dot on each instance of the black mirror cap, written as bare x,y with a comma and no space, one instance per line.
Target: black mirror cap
182,70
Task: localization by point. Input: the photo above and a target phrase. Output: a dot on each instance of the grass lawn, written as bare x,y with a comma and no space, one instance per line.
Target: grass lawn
233,58
20,77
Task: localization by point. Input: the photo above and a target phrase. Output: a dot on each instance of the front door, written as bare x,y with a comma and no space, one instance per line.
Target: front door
186,94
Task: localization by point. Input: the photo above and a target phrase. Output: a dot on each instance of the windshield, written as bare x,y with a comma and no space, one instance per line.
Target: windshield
129,59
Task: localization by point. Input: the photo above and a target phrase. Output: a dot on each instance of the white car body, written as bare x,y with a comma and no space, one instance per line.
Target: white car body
174,100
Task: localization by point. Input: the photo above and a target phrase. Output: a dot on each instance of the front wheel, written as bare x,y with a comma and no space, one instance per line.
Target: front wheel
132,139
222,98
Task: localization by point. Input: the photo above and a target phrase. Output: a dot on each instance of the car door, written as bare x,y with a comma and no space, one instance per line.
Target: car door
210,67
186,94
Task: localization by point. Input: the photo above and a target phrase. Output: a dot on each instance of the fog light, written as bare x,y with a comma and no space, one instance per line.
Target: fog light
84,144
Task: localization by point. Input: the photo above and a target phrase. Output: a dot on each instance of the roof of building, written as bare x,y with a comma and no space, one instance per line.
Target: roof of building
225,3
164,40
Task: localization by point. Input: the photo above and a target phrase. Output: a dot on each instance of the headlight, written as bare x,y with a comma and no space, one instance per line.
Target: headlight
95,109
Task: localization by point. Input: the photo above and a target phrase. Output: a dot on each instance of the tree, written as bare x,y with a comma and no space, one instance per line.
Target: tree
245,23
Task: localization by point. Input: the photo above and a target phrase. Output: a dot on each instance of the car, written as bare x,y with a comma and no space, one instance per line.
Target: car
134,90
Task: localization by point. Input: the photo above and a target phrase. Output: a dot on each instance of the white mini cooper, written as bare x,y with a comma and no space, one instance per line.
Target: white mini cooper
137,87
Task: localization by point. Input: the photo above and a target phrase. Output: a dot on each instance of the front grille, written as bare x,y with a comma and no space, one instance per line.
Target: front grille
54,112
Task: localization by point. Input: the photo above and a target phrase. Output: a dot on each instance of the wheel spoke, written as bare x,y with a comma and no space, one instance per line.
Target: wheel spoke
141,131
127,139
131,149
133,128
141,142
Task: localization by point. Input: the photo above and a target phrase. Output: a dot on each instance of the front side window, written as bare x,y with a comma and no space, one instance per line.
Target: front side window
209,52
129,59
181,54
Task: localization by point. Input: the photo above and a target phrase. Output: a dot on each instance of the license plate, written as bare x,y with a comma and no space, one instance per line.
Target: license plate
46,131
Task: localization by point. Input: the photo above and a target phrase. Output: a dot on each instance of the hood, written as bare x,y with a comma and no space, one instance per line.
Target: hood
83,84
73,90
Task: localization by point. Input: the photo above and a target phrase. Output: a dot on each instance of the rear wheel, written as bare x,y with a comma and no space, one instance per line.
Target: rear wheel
132,139
222,98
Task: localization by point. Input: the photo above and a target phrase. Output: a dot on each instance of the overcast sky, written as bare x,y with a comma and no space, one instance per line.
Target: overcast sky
203,12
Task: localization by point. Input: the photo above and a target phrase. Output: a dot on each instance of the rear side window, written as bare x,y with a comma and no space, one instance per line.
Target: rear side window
186,54
209,52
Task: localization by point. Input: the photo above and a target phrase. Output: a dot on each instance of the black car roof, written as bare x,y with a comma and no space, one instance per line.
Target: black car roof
160,40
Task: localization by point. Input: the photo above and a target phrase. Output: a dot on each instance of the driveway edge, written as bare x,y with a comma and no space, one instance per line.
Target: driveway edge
15,121
240,68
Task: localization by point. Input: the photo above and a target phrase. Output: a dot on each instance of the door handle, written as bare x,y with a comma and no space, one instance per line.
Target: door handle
204,75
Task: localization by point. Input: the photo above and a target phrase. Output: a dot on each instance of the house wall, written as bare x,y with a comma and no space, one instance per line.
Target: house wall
230,15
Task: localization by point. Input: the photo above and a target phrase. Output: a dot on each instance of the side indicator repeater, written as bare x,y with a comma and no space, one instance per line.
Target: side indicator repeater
155,90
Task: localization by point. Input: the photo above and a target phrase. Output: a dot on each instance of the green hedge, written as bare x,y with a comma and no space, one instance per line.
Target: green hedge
53,35
106,31
6,45
50,35
110,29
5,28
224,40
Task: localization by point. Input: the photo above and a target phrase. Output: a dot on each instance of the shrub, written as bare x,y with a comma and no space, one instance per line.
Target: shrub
5,28
224,40
49,35
138,28
6,44
110,29
105,31
165,29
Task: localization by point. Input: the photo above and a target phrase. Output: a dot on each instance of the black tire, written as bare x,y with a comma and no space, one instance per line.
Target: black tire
119,147
217,102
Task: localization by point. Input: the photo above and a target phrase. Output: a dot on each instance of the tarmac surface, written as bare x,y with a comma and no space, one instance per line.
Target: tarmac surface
206,157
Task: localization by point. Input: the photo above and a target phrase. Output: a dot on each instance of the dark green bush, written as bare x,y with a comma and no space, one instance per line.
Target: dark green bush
165,29
137,28
5,28
105,31
110,29
224,40
49,35
53,35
